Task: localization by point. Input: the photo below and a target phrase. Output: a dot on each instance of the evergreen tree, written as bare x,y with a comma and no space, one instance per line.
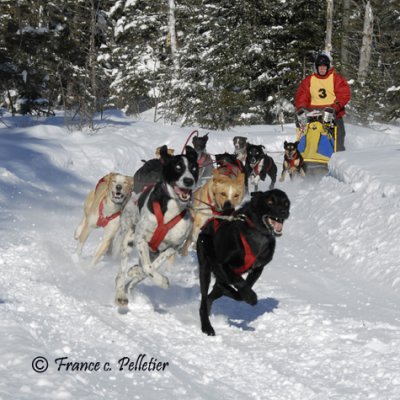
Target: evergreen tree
140,33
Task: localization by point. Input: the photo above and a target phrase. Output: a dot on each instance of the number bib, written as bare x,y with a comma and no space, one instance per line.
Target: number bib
322,91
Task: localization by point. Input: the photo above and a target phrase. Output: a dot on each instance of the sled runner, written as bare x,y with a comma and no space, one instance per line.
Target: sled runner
316,134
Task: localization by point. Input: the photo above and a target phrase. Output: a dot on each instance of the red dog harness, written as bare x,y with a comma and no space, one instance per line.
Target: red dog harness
162,229
103,221
292,162
249,257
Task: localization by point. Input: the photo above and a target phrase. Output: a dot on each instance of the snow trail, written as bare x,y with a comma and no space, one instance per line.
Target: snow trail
326,326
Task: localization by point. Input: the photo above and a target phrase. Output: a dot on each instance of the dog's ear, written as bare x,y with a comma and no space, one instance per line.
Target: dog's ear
130,182
205,137
108,178
255,196
191,153
195,139
296,143
164,155
285,143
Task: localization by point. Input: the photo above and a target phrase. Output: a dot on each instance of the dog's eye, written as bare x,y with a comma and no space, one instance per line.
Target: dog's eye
194,168
178,167
223,194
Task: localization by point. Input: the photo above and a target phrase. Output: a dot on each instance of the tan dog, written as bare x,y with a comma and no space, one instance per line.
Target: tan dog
102,208
219,195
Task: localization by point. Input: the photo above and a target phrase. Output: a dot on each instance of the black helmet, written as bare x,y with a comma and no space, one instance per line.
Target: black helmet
322,59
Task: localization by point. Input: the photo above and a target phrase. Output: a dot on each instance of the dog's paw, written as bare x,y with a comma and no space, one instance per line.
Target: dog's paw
121,300
163,282
208,329
249,296
281,179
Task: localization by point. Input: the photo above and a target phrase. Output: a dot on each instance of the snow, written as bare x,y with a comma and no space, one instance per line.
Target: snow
327,323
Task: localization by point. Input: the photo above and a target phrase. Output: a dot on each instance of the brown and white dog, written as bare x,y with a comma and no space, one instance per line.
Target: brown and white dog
102,209
293,162
220,195
240,144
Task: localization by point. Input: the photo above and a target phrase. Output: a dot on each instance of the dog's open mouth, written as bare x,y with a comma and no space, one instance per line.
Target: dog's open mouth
183,194
117,197
275,224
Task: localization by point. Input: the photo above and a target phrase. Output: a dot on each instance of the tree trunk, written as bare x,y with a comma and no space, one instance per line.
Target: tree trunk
172,34
329,24
365,53
344,50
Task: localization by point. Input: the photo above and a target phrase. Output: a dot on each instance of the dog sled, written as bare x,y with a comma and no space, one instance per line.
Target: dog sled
316,134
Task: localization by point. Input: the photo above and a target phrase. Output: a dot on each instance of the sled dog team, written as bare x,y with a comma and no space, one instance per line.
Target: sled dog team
174,202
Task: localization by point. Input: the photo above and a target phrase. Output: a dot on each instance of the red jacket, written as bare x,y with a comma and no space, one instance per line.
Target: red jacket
341,91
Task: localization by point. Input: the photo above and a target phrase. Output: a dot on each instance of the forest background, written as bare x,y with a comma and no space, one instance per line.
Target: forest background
215,64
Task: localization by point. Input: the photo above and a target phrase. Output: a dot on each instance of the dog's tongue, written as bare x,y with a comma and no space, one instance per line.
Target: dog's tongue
278,226
184,194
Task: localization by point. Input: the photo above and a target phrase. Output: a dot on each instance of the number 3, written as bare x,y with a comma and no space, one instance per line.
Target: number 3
322,93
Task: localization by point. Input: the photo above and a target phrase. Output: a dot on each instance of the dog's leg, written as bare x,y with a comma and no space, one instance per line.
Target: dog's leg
121,298
229,291
184,251
148,268
203,244
253,276
84,234
283,175
79,228
243,286
109,232
219,290
135,275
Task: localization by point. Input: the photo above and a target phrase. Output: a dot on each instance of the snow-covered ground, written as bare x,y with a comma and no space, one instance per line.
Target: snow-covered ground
327,324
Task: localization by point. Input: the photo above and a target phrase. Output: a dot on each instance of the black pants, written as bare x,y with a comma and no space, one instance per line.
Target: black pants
341,133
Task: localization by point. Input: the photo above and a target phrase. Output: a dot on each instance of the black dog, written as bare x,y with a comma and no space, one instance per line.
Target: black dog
228,249
293,162
203,158
258,165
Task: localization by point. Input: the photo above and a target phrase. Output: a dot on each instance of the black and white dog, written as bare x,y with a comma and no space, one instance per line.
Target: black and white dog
157,222
258,165
203,158
228,249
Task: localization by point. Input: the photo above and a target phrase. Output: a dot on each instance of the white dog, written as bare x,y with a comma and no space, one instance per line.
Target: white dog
102,208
